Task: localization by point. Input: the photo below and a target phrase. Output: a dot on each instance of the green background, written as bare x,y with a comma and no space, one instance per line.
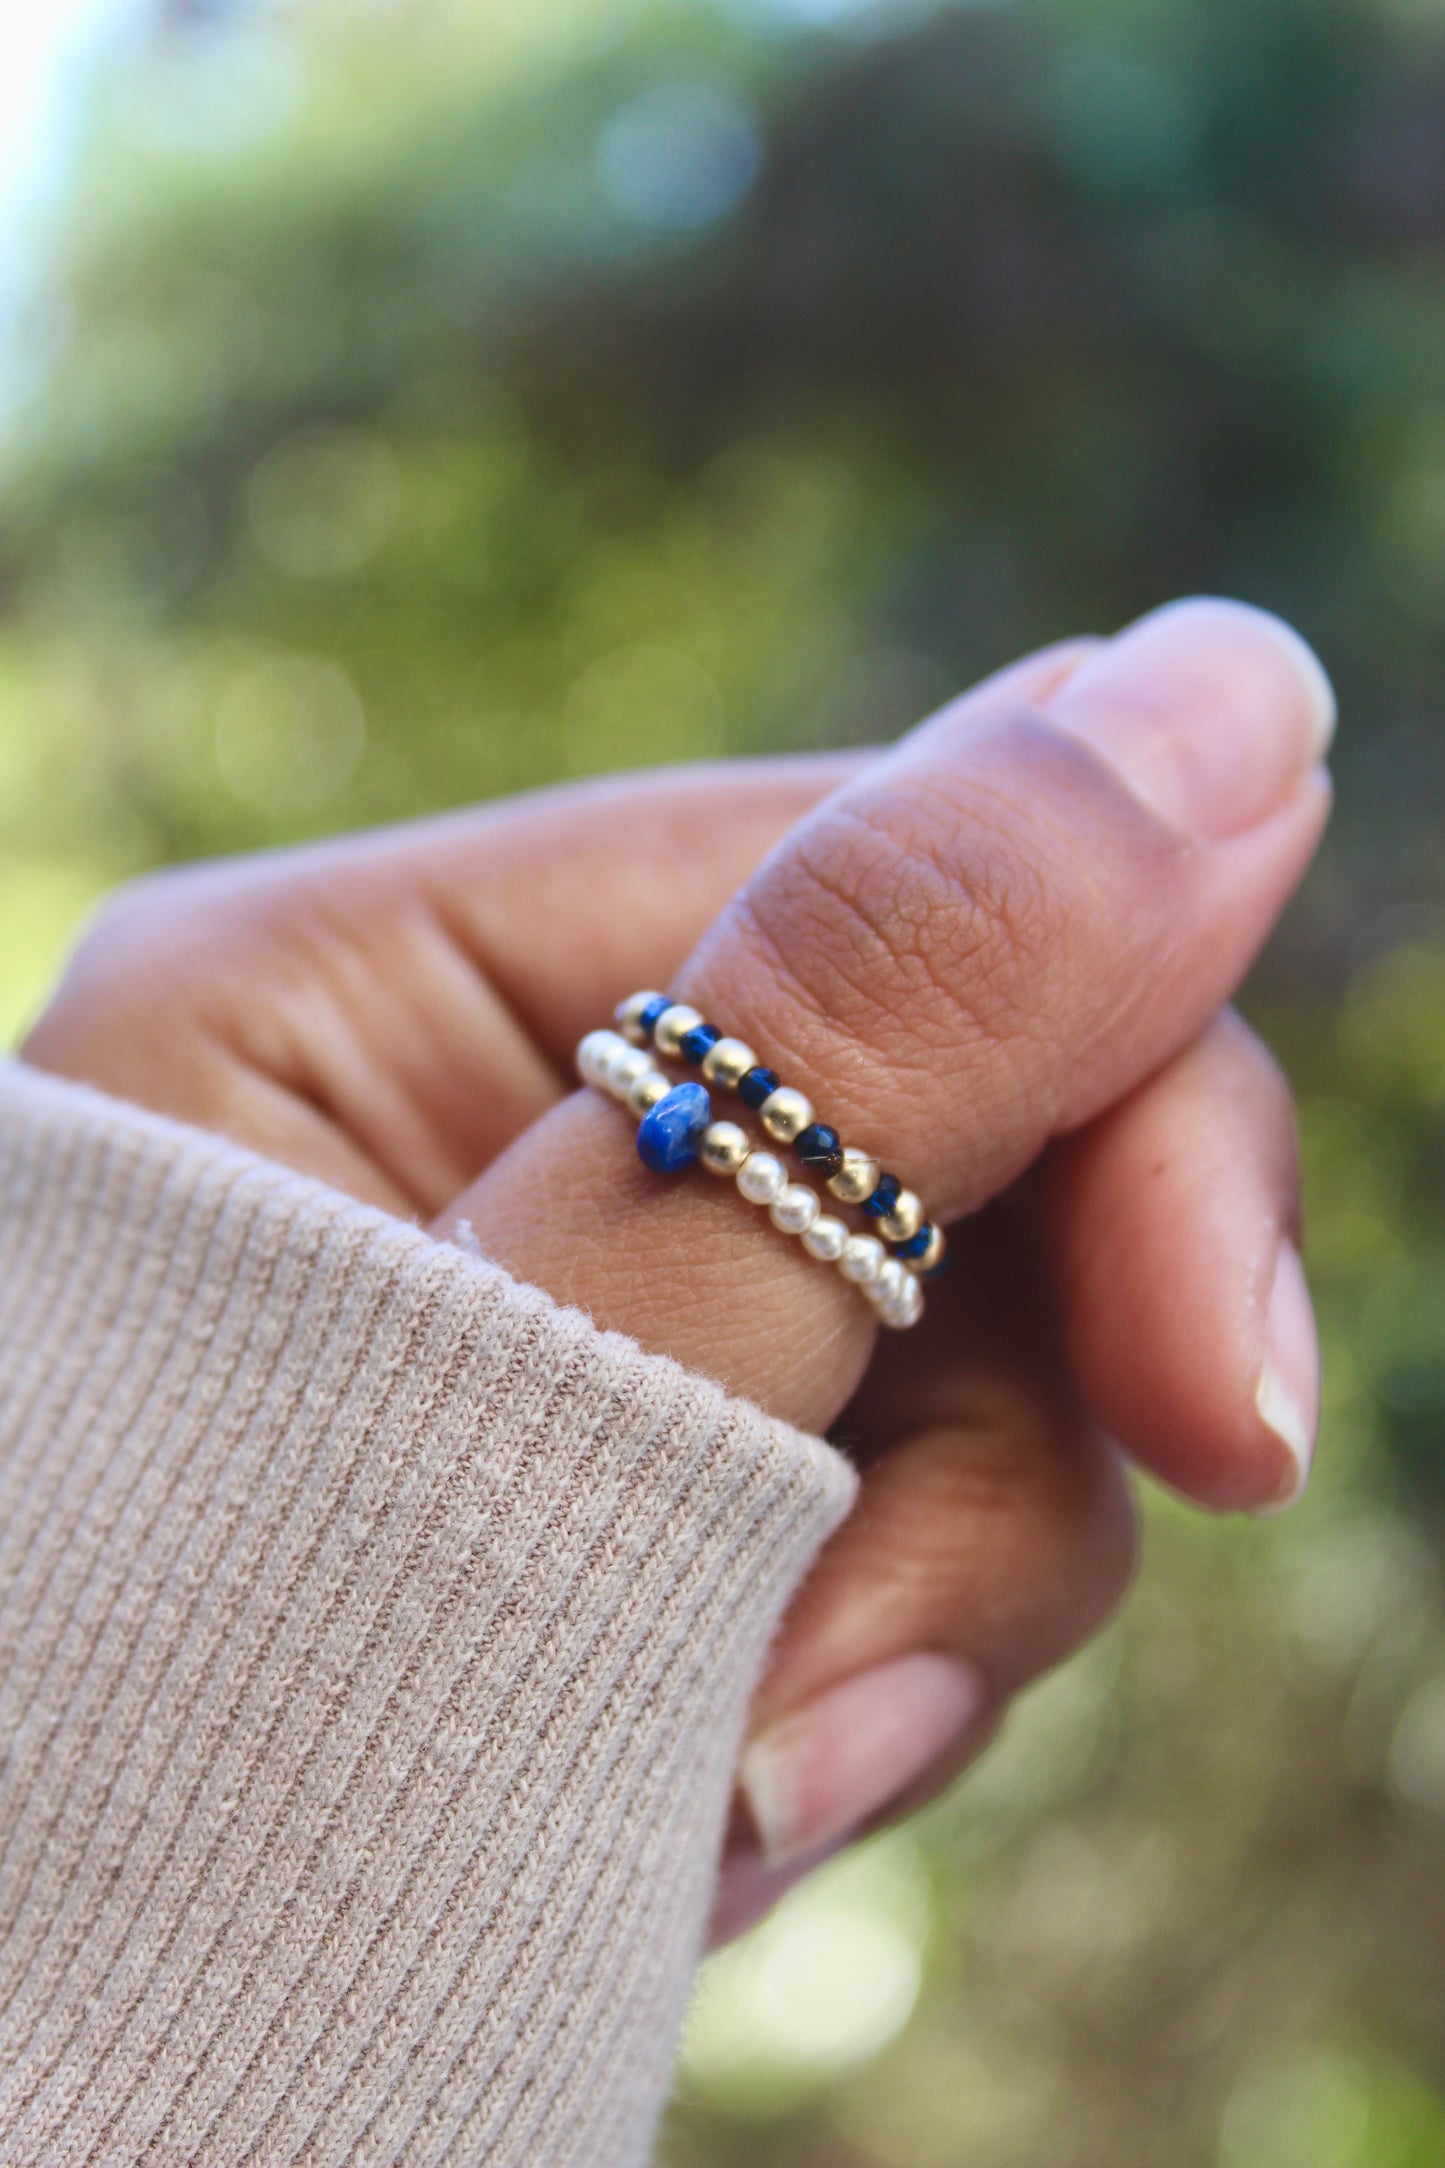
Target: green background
434,401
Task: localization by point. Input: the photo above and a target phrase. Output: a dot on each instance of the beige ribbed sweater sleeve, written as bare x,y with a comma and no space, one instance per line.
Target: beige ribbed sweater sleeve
375,1644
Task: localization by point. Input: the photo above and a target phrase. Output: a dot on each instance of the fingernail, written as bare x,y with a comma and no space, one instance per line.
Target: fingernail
1288,1393
821,1772
1212,711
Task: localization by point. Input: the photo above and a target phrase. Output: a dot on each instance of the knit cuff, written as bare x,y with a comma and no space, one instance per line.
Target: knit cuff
376,1638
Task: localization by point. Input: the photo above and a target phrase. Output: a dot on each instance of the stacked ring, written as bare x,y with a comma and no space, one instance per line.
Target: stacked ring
852,1176
676,1127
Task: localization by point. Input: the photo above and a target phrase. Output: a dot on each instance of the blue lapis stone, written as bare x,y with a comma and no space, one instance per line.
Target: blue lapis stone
647,1022
695,1043
667,1136
884,1197
756,1086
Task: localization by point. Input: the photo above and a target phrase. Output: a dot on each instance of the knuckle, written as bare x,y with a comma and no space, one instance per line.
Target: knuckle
164,944
106,955
105,977
1014,1544
152,909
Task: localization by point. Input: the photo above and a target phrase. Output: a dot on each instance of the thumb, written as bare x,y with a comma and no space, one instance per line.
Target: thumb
1021,912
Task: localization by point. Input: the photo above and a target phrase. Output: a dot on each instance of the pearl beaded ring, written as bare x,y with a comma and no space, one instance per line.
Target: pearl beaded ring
676,1127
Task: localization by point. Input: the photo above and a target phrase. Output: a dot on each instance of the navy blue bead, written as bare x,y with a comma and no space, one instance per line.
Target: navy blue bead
821,1147
667,1136
756,1086
647,1022
916,1245
884,1197
695,1043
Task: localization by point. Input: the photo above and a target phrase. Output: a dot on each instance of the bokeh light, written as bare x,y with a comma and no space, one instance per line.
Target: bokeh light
680,156
829,1979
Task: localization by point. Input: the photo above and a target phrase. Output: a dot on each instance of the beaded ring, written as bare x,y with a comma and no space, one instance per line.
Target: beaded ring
676,1127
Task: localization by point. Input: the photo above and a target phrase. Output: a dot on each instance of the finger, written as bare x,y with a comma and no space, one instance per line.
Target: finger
1172,1231
1168,1226
554,902
1059,941
564,896
560,896
388,1011
979,945
993,1534
476,942
1173,1225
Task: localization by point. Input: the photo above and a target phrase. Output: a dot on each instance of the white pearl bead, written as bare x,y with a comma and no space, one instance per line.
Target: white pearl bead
862,1259
785,1114
651,1086
593,1055
672,1026
728,1062
762,1178
795,1211
627,1014
723,1147
624,1068
904,1310
890,1283
825,1239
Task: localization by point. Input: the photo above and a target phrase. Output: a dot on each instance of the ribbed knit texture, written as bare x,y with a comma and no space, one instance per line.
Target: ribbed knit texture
375,1645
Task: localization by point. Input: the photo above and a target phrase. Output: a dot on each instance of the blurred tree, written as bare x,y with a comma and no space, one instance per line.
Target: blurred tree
888,357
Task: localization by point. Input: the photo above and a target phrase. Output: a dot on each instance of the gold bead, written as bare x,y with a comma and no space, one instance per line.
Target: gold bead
628,1013
785,1114
904,1221
728,1062
933,1256
651,1086
672,1026
857,1178
723,1147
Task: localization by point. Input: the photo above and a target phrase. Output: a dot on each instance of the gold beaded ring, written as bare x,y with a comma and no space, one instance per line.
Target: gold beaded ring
676,1127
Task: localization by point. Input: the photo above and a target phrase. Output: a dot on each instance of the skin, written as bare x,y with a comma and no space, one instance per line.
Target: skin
1031,1020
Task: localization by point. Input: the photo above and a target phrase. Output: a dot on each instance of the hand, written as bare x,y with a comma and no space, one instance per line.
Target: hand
387,1012
1001,948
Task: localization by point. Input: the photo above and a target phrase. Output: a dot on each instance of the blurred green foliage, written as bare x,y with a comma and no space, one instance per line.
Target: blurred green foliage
436,401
